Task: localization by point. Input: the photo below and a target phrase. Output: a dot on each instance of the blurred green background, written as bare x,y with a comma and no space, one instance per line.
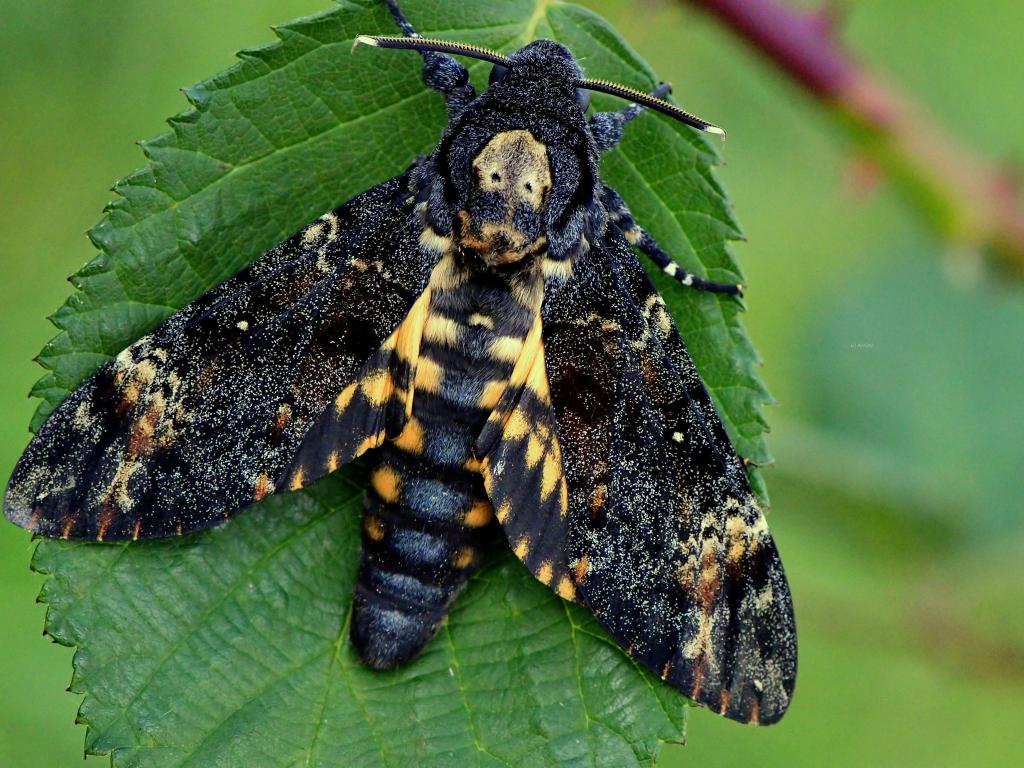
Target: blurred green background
898,486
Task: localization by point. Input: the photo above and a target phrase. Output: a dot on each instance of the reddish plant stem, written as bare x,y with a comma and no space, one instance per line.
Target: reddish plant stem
968,200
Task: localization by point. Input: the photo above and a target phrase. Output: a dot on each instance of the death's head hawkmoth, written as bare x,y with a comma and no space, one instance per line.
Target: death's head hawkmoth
480,329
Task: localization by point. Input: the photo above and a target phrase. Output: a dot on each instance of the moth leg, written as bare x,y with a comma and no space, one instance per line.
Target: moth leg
441,72
607,127
620,217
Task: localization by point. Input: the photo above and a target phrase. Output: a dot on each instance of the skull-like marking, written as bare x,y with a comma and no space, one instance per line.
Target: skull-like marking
502,221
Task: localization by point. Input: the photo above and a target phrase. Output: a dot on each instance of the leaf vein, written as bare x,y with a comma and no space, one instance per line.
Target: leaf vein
208,611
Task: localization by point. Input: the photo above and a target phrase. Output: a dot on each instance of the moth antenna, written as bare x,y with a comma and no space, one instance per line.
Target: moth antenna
430,44
651,102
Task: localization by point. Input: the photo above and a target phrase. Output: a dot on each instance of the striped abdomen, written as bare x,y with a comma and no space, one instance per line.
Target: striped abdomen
426,513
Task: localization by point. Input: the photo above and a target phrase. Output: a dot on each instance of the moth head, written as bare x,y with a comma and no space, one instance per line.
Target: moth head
516,173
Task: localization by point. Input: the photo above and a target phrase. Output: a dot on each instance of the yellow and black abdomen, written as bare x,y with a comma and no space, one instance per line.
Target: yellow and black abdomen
426,514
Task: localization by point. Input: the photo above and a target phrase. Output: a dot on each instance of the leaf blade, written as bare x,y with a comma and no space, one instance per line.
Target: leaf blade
229,180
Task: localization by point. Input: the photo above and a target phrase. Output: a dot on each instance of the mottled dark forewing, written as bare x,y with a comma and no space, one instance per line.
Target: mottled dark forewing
201,417
666,542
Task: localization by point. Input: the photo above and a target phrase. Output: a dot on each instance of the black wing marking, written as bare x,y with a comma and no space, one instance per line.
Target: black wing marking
374,406
521,463
665,541
201,417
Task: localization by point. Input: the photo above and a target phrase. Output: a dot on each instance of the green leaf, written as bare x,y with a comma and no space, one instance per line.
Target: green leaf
230,647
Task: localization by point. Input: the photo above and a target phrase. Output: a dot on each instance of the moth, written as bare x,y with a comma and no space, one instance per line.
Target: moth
481,331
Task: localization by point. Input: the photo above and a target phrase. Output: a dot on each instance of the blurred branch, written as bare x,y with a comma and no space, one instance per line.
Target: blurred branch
969,201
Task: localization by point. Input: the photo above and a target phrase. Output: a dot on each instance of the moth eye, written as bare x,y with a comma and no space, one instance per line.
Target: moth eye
583,98
498,73
495,176
529,186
